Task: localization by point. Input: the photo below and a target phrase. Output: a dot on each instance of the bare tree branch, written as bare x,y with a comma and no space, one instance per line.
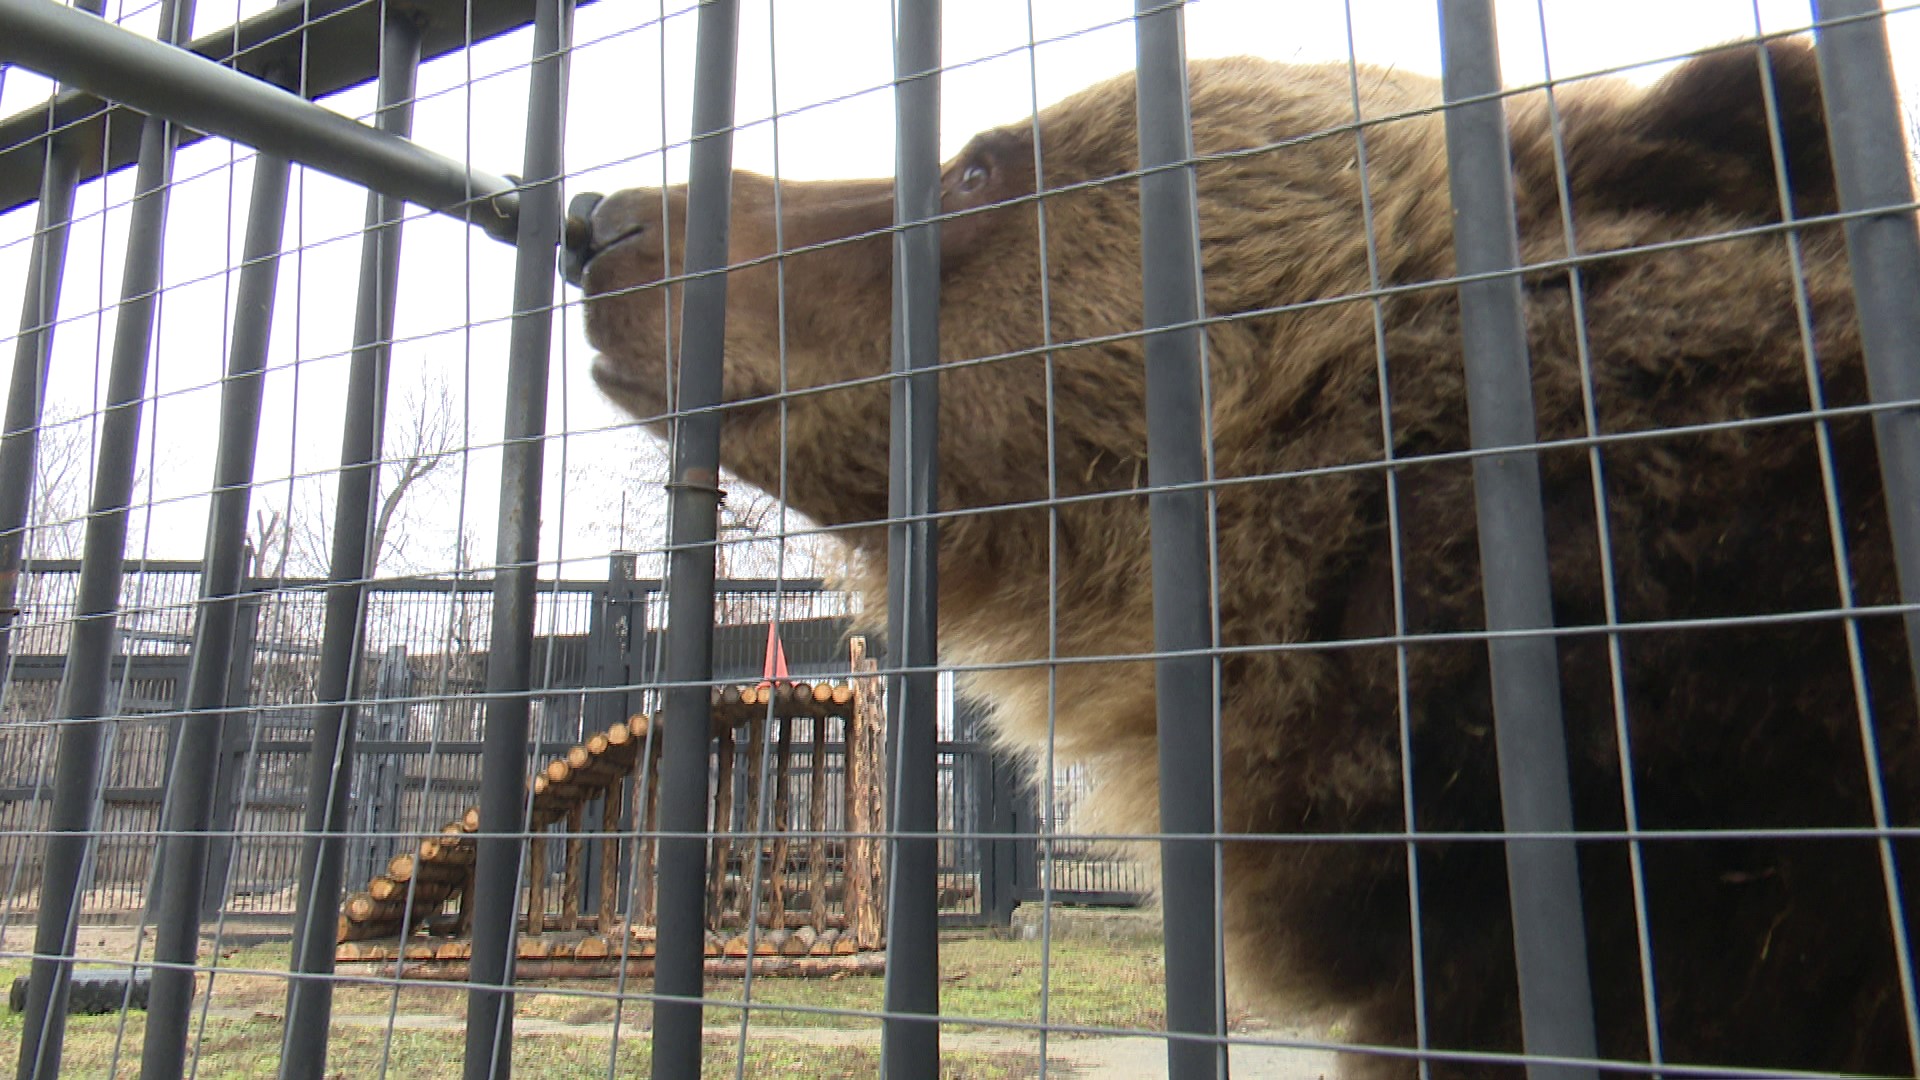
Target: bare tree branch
422,444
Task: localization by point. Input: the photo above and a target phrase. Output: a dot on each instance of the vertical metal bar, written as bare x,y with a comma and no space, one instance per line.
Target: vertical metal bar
1864,119
229,773
911,1047
330,764
694,512
188,812
1864,123
86,681
1182,583
503,754
26,392
1416,944
1543,875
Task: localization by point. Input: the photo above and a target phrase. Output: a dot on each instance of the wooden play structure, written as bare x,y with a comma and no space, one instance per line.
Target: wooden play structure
814,750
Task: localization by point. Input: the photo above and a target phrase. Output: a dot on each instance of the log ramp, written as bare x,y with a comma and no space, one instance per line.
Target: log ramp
820,910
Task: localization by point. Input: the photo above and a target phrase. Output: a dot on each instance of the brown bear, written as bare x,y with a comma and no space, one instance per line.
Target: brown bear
1688,309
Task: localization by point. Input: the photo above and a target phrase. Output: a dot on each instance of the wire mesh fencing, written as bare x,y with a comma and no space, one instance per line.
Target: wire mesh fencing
1363,537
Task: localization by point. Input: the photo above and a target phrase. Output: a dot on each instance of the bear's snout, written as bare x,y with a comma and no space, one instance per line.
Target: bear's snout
596,223
577,237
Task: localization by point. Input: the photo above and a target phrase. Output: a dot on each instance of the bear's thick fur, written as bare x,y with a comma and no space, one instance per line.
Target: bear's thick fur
1766,952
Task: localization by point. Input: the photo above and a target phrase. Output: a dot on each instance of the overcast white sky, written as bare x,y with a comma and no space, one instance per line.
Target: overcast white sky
631,96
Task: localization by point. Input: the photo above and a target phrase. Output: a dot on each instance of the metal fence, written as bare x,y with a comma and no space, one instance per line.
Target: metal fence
1465,526
417,727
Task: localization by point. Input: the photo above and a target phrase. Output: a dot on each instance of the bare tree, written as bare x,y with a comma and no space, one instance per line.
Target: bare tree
271,542
422,437
62,482
632,510
757,540
628,508
63,466
420,448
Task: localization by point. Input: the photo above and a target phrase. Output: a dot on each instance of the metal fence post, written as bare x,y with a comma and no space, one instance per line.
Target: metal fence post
911,1047
194,771
1185,695
693,511
330,771
87,680
27,390
1870,166
377,798
1549,929
598,711
229,777
503,756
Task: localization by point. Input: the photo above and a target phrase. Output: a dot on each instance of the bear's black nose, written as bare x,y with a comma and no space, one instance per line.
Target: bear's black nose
577,239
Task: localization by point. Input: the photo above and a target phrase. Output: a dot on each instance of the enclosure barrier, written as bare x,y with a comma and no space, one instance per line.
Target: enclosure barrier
84,682
693,527
669,783
911,1045
1549,941
173,84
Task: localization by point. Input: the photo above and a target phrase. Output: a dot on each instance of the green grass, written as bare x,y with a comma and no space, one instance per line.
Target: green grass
1100,983
1093,983
245,1049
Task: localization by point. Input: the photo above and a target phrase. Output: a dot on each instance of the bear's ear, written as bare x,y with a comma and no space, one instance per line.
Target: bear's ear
1702,137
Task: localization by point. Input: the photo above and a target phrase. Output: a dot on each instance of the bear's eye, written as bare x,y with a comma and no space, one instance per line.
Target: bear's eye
972,178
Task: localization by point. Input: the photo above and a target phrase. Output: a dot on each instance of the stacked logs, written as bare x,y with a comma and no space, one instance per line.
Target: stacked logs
735,705
561,792
795,942
799,879
418,884
793,876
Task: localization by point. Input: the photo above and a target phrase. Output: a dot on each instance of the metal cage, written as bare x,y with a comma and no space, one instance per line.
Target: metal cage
204,756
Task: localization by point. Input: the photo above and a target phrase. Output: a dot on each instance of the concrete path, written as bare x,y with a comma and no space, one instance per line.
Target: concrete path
1146,1059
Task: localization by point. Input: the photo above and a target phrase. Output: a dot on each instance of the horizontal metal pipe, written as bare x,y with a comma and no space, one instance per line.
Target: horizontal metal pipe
88,52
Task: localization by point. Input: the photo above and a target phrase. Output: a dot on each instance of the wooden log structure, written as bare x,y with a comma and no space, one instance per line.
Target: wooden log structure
610,812
866,813
441,867
570,874
819,901
650,849
817,821
782,808
734,704
829,966
755,837
536,884
720,850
